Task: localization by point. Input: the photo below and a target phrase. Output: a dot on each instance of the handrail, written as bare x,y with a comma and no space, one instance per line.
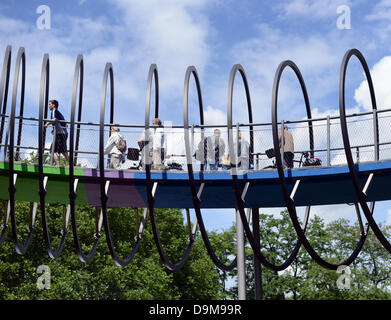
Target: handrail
198,126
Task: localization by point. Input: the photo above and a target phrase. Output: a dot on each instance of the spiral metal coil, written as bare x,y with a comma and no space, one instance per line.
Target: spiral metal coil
151,185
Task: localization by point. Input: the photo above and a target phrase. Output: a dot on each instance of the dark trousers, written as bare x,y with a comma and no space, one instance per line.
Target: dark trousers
288,159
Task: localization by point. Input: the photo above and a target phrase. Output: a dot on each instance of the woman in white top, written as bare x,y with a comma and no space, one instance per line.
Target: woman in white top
158,151
116,155
154,145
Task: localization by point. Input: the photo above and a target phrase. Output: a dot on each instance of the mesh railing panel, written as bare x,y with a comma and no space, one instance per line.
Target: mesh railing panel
327,139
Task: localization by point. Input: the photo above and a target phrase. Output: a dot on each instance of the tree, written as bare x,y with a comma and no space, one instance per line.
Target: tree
370,277
144,278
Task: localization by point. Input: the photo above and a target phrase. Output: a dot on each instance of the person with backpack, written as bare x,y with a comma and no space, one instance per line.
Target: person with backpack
115,147
201,153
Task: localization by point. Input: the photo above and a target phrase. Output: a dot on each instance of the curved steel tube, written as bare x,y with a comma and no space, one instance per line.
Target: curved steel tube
21,59
79,73
240,203
4,85
345,137
153,73
43,103
289,202
196,201
120,262
238,199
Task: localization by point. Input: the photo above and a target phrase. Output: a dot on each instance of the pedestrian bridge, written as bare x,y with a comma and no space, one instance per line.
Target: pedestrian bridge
354,149
127,188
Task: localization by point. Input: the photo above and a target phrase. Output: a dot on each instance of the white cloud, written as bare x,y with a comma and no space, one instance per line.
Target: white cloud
316,56
172,34
379,19
381,77
214,116
312,9
381,11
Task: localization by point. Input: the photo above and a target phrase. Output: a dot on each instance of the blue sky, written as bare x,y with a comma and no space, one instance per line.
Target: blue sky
212,35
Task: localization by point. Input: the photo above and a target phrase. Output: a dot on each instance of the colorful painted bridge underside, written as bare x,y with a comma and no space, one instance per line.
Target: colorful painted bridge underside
318,186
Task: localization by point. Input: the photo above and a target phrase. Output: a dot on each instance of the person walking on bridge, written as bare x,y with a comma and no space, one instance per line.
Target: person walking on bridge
59,131
289,148
115,147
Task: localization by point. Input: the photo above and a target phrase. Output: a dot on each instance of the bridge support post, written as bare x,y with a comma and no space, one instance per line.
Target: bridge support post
257,264
328,142
241,258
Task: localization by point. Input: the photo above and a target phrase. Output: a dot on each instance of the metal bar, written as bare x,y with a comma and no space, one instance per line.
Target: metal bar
237,146
188,221
99,220
53,146
296,186
359,218
154,188
7,213
207,126
137,225
33,214
333,149
257,264
244,193
199,193
282,143
64,217
328,142
193,231
240,258
142,225
369,180
358,154
98,217
305,220
375,134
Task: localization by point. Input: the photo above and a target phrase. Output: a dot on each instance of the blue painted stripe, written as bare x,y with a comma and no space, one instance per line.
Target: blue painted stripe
296,173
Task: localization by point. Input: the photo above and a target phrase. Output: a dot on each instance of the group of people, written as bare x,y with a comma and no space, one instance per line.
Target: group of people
210,152
60,137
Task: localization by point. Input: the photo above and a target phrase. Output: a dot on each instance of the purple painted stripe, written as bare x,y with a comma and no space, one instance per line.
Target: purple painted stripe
109,174
120,194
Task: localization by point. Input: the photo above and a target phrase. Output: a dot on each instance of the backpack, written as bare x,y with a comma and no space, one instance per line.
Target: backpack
121,145
201,152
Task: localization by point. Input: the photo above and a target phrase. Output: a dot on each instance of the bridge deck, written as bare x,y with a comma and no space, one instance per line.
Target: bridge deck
319,186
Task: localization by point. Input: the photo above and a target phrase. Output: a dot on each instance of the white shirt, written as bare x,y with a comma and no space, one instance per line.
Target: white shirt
111,145
158,139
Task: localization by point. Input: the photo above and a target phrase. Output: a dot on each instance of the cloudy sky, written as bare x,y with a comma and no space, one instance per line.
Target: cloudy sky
212,35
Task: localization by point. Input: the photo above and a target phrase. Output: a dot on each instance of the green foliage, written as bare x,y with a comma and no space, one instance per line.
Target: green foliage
305,279
144,278
33,158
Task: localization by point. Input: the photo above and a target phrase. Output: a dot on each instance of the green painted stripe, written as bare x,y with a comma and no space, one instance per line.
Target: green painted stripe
27,187
33,168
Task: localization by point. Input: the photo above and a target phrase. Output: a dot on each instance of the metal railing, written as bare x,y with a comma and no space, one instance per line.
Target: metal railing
327,140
